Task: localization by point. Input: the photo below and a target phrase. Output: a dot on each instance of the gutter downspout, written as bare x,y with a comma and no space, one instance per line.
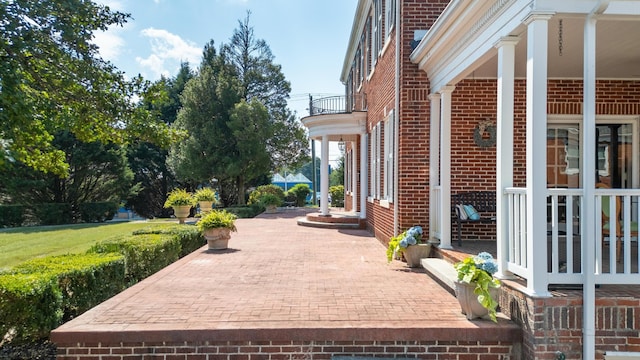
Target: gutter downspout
396,123
588,182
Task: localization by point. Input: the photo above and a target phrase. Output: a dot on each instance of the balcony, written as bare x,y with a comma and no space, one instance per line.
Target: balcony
337,104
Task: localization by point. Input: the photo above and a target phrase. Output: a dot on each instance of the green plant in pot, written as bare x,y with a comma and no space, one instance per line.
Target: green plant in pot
205,197
216,227
181,201
270,202
476,288
410,245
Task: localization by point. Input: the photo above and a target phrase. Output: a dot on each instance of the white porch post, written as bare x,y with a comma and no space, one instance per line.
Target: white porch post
537,56
588,186
364,188
324,176
434,161
354,178
504,146
445,167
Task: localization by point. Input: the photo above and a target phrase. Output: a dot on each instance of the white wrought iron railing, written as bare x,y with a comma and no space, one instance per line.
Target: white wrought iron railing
565,240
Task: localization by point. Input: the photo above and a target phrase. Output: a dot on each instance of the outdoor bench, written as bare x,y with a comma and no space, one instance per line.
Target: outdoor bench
483,202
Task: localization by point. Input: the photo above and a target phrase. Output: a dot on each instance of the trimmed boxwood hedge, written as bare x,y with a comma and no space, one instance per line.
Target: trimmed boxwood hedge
39,295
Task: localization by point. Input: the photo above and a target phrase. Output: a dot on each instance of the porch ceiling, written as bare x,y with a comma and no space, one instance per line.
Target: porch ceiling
617,50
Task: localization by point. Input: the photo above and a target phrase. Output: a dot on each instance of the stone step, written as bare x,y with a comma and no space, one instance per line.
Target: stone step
328,225
442,271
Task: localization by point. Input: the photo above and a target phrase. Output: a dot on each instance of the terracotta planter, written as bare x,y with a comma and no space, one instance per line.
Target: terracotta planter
469,303
182,212
205,206
414,253
218,238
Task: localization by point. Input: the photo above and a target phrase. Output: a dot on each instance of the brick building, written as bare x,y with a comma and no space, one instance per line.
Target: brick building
443,97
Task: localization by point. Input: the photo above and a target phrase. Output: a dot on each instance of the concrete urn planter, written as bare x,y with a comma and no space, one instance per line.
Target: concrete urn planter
205,206
414,253
469,303
182,212
217,238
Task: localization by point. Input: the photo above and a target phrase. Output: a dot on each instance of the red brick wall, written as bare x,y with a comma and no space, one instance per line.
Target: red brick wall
555,324
287,350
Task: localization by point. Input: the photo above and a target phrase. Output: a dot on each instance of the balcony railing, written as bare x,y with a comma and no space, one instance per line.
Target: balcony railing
336,104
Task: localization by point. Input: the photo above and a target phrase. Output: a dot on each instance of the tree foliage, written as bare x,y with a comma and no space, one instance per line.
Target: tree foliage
52,79
235,111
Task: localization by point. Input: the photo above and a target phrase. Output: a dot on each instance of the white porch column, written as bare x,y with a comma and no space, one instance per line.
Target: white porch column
354,178
445,167
324,176
504,146
364,188
537,38
434,172
588,186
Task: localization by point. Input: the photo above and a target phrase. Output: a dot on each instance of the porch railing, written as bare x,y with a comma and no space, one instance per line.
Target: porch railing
565,241
336,104
435,214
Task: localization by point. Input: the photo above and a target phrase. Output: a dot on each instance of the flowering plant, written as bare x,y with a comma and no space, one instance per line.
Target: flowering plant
399,243
479,270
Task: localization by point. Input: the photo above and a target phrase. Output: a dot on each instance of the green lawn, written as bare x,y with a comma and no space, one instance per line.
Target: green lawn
20,244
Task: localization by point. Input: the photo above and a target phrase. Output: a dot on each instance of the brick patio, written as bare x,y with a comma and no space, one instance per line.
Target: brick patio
284,291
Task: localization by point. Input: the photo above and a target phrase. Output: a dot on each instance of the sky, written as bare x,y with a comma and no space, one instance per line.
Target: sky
308,38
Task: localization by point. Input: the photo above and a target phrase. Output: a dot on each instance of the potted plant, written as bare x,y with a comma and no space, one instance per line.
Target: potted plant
270,202
205,197
410,244
216,227
181,201
476,288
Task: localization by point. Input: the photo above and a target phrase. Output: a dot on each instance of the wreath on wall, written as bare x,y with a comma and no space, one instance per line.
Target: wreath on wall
484,134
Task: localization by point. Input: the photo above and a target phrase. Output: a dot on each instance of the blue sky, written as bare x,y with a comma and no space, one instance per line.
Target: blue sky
307,37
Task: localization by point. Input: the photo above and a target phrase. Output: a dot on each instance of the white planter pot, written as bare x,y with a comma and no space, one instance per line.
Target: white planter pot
469,303
218,238
182,212
414,253
205,206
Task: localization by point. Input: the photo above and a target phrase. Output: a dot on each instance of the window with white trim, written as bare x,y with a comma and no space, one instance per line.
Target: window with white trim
377,29
390,16
376,135
389,148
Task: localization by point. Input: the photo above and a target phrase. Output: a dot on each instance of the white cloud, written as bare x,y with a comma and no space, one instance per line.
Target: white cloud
168,50
110,44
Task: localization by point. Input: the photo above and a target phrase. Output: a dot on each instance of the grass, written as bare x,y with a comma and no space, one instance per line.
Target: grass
21,244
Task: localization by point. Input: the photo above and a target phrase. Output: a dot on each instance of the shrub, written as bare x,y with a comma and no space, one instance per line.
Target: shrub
205,194
98,211
337,195
179,197
217,219
254,197
267,200
189,236
53,213
246,212
300,191
11,215
38,295
144,254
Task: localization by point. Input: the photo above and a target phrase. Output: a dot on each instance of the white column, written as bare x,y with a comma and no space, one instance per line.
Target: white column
364,188
537,38
589,184
434,172
354,178
445,167
504,146
324,176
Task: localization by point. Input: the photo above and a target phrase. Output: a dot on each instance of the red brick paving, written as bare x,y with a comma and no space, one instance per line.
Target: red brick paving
293,280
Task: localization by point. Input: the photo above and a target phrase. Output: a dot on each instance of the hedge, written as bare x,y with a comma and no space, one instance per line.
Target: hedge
53,213
38,295
11,215
98,211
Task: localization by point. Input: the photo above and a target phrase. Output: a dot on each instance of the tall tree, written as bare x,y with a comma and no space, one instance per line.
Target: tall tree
148,161
52,79
263,80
